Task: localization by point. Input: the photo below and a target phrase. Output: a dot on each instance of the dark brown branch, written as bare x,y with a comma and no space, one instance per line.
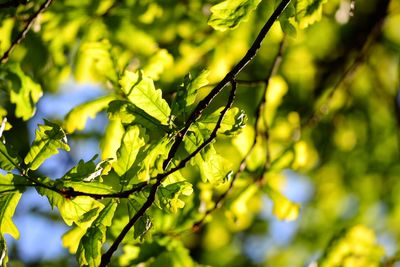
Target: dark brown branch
242,166
228,78
21,36
106,257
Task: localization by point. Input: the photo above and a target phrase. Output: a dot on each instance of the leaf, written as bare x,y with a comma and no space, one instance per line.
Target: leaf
233,121
283,208
89,249
228,14
77,117
158,63
111,140
143,224
24,92
308,12
87,171
49,138
128,113
213,167
141,92
168,197
9,160
150,161
3,252
94,62
73,210
8,203
187,92
133,140
12,182
287,20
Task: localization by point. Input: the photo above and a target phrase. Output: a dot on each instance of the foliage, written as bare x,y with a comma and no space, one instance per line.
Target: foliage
221,123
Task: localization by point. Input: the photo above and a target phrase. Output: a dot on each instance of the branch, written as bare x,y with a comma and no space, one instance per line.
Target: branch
228,78
106,257
21,36
242,166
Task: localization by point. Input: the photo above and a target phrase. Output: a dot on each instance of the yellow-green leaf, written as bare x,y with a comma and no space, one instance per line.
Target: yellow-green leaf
228,14
133,140
77,117
8,203
308,11
283,208
141,91
9,160
24,92
89,249
49,138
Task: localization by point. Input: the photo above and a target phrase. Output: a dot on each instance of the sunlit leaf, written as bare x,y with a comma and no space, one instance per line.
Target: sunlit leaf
233,121
49,138
94,62
3,252
87,171
187,92
144,223
141,92
168,197
213,167
89,249
228,14
73,210
9,160
357,246
283,208
77,117
8,203
308,11
158,63
128,113
24,92
112,139
133,140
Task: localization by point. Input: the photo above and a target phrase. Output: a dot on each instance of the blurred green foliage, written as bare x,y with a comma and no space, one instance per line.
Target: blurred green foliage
331,116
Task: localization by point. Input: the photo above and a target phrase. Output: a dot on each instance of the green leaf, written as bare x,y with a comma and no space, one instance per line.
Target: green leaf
141,92
213,167
187,93
9,160
128,113
89,249
287,20
73,210
3,252
168,197
233,121
308,11
77,117
8,203
228,14
133,140
12,182
143,224
158,63
49,138
94,62
111,140
24,92
87,171
150,160
283,208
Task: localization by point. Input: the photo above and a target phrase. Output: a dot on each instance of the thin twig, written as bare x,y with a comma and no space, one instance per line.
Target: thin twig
242,166
21,36
106,257
250,54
